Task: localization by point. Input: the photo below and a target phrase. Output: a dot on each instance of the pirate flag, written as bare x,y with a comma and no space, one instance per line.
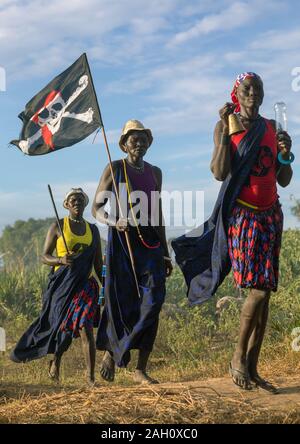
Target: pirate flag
62,114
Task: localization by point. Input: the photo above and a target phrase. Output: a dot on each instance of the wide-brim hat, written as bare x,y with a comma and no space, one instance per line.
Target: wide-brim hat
134,125
76,191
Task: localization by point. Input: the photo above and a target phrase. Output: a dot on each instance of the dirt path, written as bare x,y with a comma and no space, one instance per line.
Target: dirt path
205,401
287,398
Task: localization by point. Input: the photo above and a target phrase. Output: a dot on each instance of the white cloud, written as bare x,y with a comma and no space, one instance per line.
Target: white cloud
41,36
278,40
174,91
237,15
186,153
185,95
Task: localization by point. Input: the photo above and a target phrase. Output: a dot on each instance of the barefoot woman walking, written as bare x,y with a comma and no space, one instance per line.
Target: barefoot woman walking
71,298
129,322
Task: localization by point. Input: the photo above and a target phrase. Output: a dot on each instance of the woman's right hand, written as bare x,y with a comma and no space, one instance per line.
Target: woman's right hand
122,225
224,112
67,260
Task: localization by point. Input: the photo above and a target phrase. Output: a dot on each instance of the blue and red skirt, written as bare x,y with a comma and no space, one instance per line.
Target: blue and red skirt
254,240
82,310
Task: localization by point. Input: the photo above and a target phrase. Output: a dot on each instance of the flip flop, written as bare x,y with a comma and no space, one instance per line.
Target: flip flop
265,385
237,375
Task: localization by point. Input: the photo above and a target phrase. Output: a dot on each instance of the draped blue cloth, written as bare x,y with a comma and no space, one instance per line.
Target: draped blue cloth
129,322
44,335
203,253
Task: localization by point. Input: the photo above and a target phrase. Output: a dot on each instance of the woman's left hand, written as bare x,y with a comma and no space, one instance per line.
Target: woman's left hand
284,143
169,267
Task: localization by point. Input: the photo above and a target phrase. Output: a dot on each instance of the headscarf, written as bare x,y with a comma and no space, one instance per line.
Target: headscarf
76,191
240,78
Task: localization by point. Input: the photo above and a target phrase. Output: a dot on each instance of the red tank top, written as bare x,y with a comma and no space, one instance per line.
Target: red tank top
260,190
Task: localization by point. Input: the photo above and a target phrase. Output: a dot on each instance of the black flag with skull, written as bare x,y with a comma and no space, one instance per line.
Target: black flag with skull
62,114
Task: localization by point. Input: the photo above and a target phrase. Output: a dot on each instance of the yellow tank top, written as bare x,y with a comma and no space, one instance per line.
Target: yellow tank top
75,243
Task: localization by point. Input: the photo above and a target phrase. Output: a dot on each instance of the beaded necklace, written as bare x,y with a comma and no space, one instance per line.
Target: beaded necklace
133,215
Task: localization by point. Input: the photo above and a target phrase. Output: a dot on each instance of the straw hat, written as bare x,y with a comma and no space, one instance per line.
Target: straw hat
134,125
76,191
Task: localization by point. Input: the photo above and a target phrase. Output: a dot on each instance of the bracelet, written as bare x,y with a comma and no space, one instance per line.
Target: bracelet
167,258
286,162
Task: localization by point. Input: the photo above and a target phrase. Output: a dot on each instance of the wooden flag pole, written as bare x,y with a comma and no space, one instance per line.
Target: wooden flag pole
121,212
57,219
114,183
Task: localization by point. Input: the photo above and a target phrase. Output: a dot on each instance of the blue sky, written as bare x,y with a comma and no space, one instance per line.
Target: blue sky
169,63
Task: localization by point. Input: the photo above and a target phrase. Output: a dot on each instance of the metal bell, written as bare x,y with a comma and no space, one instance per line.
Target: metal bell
235,124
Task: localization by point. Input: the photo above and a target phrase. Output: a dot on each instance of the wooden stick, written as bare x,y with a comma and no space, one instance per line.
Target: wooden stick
57,219
121,212
114,182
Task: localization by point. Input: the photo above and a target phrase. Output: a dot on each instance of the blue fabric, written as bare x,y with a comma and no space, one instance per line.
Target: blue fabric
203,254
128,322
44,335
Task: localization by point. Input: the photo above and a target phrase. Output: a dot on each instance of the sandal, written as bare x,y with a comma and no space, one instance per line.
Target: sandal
240,378
265,385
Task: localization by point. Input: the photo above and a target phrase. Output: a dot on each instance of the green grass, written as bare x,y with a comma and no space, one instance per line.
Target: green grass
192,342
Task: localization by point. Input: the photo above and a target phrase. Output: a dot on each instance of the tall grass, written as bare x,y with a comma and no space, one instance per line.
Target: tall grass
191,342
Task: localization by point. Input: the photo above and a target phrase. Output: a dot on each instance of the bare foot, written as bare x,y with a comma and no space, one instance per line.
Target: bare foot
91,382
53,371
142,378
107,368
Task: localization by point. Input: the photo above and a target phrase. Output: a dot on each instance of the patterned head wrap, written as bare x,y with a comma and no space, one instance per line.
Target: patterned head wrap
240,78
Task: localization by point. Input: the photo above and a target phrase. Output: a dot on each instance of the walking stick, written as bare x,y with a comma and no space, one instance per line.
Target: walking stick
115,186
121,212
57,219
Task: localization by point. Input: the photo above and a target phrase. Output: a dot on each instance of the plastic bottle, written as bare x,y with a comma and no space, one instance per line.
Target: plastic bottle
280,116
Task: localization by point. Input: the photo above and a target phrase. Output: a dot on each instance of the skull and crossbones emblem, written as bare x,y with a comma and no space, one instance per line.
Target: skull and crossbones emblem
50,115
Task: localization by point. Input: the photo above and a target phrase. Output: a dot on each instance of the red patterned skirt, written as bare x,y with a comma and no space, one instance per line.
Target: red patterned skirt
254,240
82,310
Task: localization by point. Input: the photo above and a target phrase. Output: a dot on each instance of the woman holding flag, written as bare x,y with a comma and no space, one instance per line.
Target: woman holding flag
134,289
70,302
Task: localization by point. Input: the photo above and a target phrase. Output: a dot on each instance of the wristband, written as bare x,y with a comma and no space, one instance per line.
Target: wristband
101,296
284,161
